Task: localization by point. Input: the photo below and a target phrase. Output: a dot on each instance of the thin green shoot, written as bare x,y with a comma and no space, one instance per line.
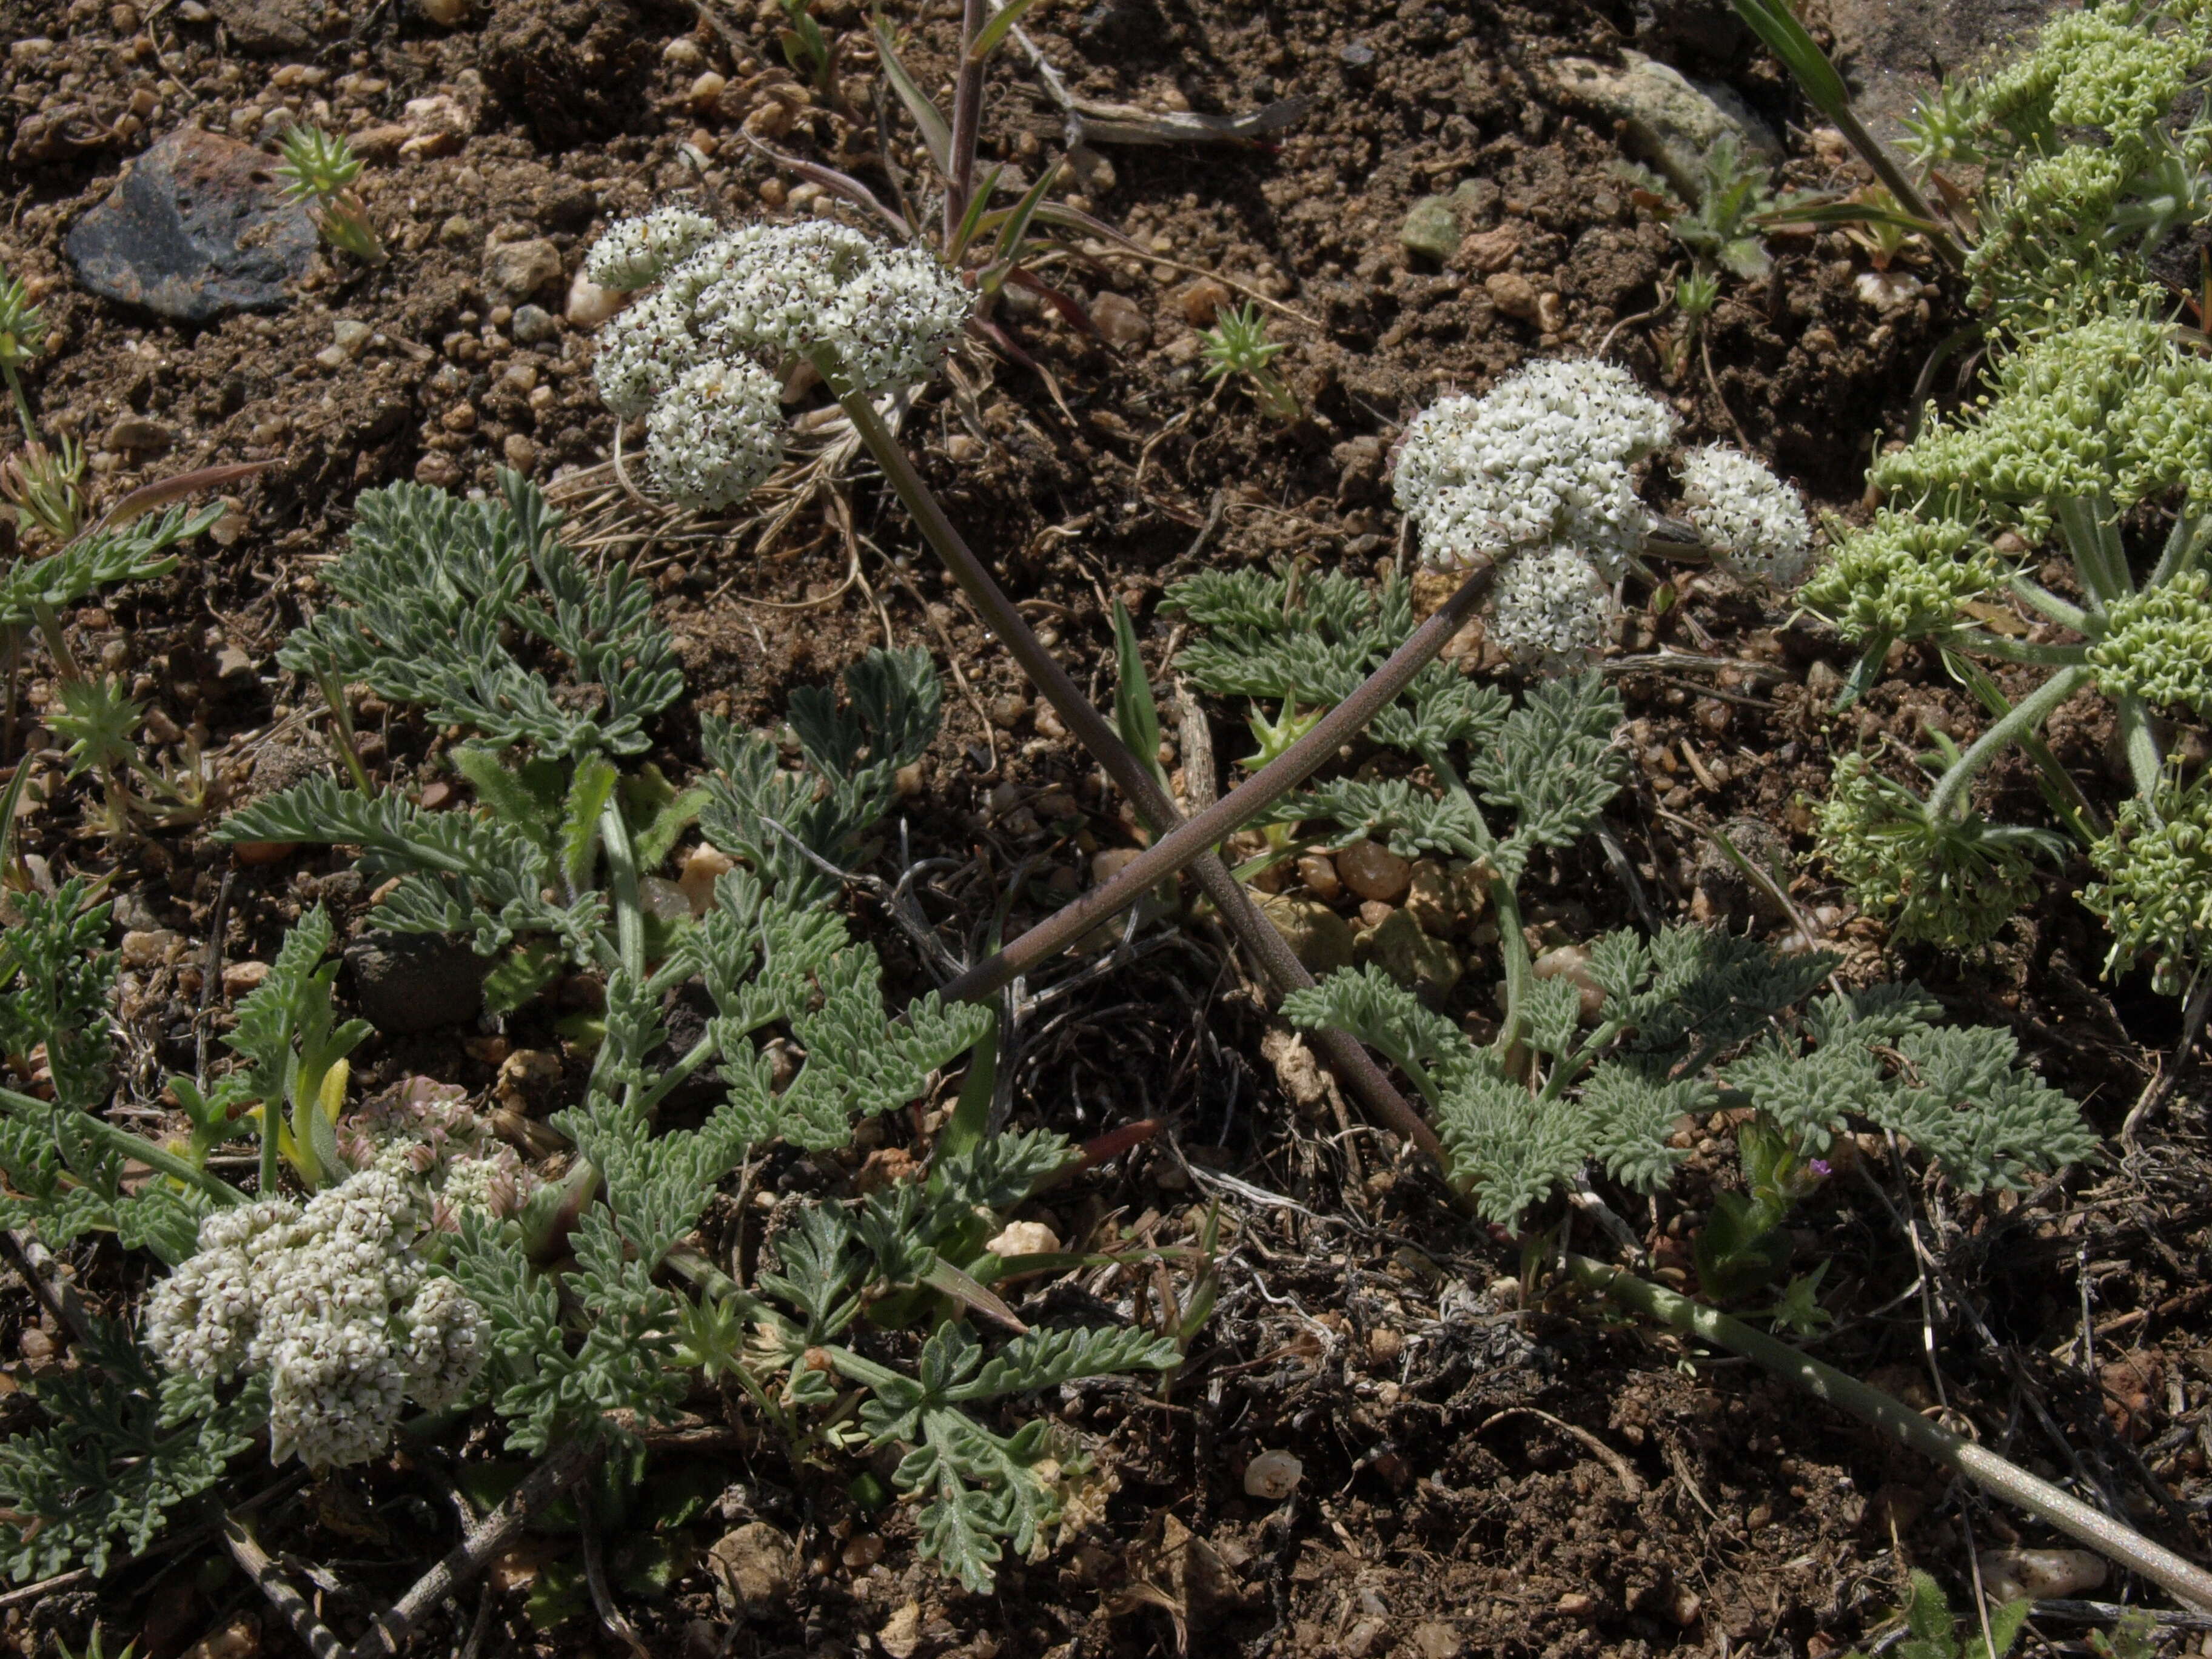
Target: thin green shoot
1237,343
320,168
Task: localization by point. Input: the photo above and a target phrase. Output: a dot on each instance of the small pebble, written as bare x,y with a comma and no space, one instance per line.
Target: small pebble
1272,1475
239,977
2040,1574
533,325
1374,872
438,470
1109,863
148,947
590,305
702,867
1023,1238
1318,872
1120,321
1513,294
1202,300
863,1549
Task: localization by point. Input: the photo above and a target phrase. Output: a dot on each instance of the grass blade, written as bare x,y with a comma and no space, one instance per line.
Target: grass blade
936,130
987,39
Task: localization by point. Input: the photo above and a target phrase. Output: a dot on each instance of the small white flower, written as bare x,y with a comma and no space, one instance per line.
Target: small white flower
642,351
1545,457
333,1301
637,252
884,315
447,1341
1754,523
1549,609
716,434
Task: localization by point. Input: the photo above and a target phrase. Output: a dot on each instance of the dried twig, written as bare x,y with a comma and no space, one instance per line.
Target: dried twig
1632,1485
391,1627
255,1563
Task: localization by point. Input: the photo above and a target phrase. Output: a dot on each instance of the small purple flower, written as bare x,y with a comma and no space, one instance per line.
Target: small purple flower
1818,1166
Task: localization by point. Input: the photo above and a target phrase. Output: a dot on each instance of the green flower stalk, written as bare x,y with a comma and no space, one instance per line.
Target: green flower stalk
1937,880
2156,892
320,168
2082,426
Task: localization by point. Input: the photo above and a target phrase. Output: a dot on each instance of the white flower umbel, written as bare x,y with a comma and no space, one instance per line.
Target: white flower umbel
716,434
1545,457
1753,523
883,316
642,351
335,1304
1549,609
731,316
636,253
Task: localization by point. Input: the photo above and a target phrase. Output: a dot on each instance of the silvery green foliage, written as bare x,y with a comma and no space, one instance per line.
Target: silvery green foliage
1753,523
1508,780
788,824
335,1304
637,252
455,604
119,1446
57,993
441,602
715,435
605,1335
137,551
736,311
881,1261
1692,1020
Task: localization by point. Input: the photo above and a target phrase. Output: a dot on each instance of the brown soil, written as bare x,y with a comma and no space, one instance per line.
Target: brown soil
1453,1496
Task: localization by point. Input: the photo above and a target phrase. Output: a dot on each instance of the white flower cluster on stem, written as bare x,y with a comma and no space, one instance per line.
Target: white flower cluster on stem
700,357
1754,523
334,1301
1545,457
636,253
1538,477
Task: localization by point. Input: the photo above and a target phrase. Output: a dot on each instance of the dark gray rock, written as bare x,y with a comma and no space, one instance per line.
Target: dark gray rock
404,983
534,326
270,27
197,229
1892,52
1702,33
